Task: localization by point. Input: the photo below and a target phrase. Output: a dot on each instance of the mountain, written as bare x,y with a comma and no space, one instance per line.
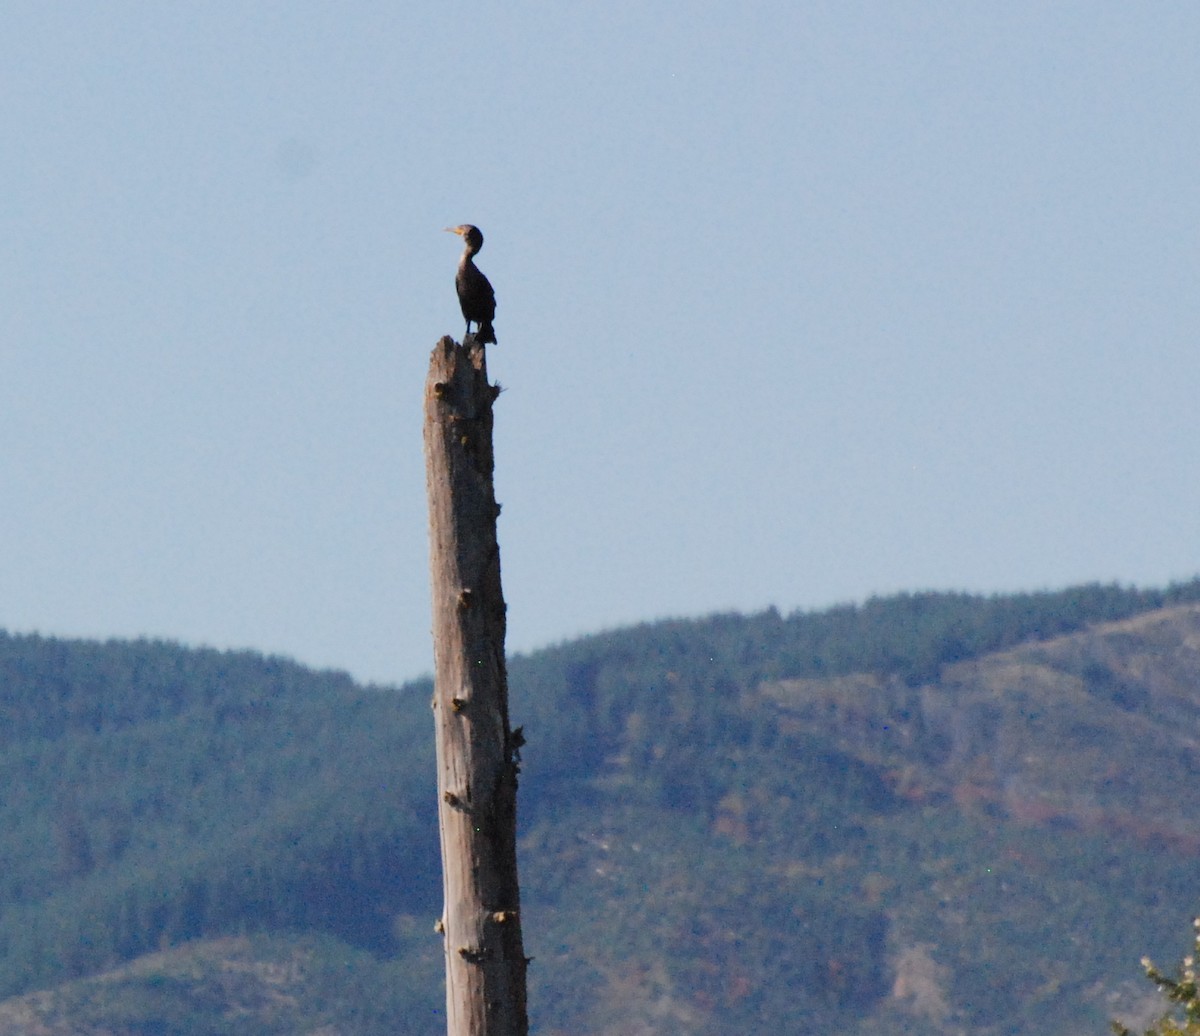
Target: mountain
928,813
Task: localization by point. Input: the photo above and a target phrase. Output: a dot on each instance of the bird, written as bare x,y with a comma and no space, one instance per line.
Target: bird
475,294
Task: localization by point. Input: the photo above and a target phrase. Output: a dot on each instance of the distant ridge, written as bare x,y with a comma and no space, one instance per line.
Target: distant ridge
929,812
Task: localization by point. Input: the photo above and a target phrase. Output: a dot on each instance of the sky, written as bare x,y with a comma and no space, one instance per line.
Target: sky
797,304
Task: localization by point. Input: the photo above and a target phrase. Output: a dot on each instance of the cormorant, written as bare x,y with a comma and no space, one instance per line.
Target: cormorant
475,294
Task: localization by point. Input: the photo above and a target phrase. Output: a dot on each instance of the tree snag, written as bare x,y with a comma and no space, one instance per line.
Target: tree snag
477,752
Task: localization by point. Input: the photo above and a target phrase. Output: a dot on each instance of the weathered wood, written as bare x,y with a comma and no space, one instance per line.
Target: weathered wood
477,751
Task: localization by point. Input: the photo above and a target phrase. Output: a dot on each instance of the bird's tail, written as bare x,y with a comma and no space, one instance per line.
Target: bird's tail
486,334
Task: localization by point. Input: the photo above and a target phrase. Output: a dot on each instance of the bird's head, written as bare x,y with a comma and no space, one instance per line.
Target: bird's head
469,234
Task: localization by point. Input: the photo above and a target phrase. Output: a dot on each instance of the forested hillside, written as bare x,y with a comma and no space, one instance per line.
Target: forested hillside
153,794
932,812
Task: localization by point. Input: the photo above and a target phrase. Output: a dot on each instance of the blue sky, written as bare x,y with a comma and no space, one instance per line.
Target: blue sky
797,304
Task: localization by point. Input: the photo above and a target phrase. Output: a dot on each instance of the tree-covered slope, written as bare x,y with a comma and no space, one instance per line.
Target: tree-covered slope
154,794
987,851
932,812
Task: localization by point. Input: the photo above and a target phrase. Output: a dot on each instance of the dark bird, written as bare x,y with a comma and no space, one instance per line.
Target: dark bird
475,294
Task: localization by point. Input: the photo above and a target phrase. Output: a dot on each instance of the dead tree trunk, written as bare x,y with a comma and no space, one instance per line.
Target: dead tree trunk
477,752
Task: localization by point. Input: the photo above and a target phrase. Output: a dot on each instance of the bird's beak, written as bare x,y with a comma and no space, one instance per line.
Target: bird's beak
454,230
